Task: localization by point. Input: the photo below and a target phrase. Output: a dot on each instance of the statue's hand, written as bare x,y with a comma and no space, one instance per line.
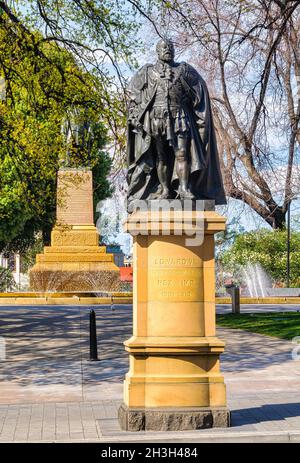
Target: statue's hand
201,128
138,127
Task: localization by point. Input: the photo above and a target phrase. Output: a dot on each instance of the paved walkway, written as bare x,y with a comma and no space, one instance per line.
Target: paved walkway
50,391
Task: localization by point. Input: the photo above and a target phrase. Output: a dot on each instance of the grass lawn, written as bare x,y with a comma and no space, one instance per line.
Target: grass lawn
284,325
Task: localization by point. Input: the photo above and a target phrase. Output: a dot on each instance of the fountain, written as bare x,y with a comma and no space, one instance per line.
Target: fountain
256,279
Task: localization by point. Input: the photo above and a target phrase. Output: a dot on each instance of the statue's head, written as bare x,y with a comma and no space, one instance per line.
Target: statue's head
165,50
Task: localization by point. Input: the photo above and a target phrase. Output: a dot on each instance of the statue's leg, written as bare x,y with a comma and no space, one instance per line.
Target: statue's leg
162,167
182,167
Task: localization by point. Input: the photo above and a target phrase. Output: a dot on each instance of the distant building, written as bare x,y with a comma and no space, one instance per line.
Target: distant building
117,253
126,274
128,261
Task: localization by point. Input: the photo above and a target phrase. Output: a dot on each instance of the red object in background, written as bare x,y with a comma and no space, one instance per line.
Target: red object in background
126,274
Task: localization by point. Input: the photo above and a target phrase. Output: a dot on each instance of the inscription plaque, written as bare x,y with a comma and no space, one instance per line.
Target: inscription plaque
179,284
75,197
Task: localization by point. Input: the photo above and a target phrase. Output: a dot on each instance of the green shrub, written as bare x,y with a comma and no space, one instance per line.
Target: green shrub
7,281
269,249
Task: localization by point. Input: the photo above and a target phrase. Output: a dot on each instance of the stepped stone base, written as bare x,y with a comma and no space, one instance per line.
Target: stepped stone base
67,267
172,419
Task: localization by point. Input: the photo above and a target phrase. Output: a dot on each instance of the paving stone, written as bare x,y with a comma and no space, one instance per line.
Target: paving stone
51,392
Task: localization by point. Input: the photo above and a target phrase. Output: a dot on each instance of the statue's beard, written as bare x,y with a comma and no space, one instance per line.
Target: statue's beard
166,59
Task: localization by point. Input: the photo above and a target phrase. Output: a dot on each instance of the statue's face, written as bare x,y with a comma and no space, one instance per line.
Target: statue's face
165,51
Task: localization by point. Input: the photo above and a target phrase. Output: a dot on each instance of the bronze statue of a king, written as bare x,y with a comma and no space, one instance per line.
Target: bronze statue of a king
171,144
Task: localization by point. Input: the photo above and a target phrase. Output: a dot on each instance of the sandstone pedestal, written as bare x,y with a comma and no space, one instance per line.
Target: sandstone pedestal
74,261
174,381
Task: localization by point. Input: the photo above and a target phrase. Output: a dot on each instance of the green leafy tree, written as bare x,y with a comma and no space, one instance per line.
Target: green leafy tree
223,241
7,281
28,257
267,248
57,55
38,97
102,35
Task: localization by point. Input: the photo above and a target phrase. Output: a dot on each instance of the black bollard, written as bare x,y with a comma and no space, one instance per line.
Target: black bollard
235,300
93,336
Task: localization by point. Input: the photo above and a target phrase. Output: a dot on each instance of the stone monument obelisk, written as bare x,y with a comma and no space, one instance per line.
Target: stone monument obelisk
74,262
174,380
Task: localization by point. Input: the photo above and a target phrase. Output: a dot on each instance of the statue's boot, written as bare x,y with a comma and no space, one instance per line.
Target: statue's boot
185,194
165,194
